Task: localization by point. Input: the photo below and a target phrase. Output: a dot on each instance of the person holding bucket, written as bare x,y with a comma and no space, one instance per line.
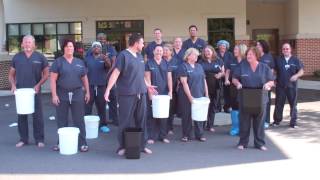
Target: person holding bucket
128,72
192,85
29,69
173,63
158,74
251,74
98,67
68,78
214,69
239,53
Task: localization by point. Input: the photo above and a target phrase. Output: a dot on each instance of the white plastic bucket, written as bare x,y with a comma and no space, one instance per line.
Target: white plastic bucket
92,126
199,108
68,140
160,106
24,100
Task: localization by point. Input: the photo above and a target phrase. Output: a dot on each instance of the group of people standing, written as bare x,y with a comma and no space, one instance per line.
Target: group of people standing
184,70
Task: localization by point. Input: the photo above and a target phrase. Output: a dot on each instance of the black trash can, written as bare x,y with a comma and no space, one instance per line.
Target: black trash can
132,141
251,100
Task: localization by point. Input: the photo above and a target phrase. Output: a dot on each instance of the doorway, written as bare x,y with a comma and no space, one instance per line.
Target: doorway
118,31
271,36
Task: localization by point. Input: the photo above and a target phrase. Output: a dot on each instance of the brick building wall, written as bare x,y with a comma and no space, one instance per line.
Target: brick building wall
246,42
4,71
308,50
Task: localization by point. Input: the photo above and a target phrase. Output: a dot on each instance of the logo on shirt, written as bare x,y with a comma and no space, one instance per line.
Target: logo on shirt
244,75
80,66
287,66
36,62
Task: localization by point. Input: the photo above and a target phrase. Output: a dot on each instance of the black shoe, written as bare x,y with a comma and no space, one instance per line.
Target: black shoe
293,126
275,124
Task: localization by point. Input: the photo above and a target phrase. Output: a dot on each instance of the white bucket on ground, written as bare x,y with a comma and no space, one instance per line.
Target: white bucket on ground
68,140
24,100
199,108
92,126
160,106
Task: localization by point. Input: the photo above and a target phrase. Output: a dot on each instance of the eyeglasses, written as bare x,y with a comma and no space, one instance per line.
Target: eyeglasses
96,46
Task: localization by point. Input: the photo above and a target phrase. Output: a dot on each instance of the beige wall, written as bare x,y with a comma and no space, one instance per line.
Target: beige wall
309,19
291,19
173,17
265,16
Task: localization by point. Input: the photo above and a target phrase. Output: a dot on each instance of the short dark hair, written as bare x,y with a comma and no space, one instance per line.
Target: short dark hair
135,37
264,45
193,26
66,41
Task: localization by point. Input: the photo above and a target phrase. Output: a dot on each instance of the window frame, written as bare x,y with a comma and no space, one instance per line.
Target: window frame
44,32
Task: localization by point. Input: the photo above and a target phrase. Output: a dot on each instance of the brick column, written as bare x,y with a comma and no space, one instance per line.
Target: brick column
246,42
308,50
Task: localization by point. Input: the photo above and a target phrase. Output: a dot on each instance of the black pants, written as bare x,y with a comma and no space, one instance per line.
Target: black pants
185,112
77,112
234,102
97,97
281,95
213,109
258,128
132,113
38,125
113,106
266,117
173,111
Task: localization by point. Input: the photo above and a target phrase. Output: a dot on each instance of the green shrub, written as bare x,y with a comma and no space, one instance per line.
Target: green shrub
317,73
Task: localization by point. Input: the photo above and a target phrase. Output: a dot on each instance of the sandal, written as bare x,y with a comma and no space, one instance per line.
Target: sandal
55,148
263,148
84,148
150,141
40,144
184,139
20,144
147,151
121,152
165,140
240,147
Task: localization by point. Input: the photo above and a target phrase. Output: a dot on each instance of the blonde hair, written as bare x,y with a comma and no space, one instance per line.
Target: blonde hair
242,50
214,53
189,52
255,51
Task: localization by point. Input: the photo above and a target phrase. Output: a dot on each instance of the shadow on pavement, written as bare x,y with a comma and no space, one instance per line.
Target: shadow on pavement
219,150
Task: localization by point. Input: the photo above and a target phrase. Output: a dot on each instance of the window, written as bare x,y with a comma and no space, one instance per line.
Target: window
48,36
221,28
118,31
